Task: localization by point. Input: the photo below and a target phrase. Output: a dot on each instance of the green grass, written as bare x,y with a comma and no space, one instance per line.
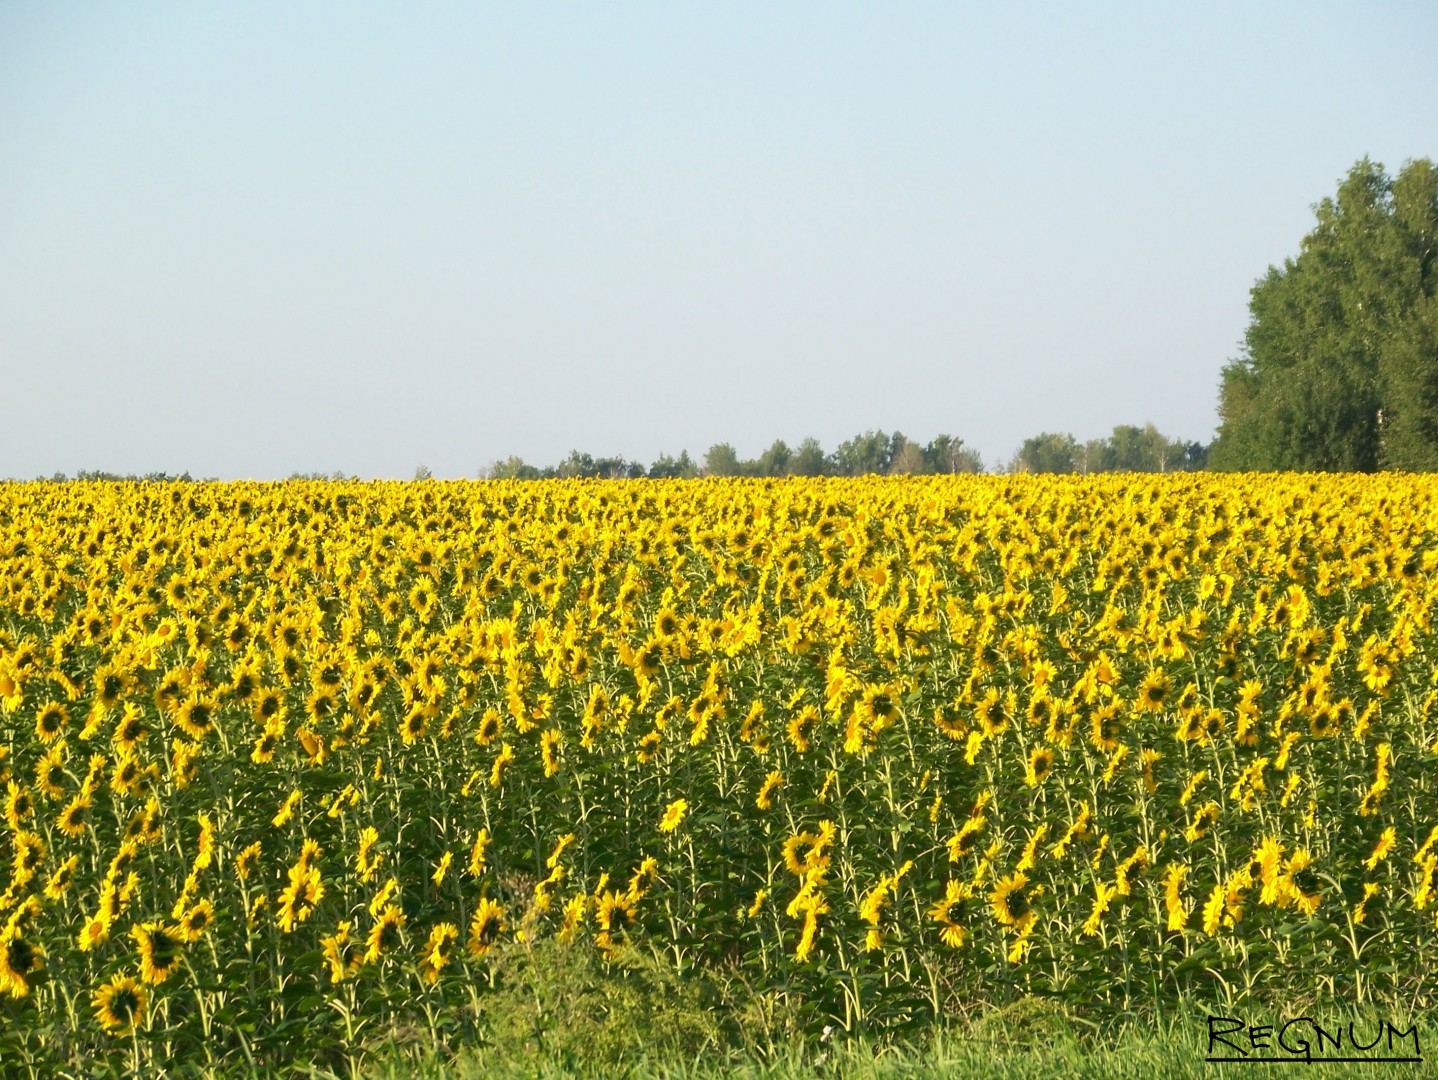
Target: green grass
1175,1054
561,1011
558,1012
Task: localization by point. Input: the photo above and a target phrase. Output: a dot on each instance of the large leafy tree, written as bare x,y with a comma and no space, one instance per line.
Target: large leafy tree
1340,363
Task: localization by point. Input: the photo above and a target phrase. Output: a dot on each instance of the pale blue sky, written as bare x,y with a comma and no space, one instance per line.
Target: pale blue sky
251,239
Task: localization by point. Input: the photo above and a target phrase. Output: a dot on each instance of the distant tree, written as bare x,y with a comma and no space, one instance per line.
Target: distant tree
666,467
513,468
92,475
721,460
1047,453
775,460
872,452
908,460
948,454
809,459
1339,368
336,476
1139,449
576,464
615,468
1092,456
421,472
1135,449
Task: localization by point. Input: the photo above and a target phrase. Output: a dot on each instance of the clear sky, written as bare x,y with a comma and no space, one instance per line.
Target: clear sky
250,239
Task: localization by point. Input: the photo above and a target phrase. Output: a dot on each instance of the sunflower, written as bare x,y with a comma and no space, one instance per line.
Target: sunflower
129,730
363,693
1012,901
267,743
649,659
127,776
385,935
765,799
414,725
801,728
667,625
575,910
673,816
298,899
160,954
1106,727
991,713
550,740
947,912
1040,761
1304,887
18,958
437,951
244,684
95,932
75,818
196,920
287,808
111,684
19,805
966,839
120,1004
269,706
615,915
367,864
144,824
1324,722
343,955
491,726
237,634
196,717
1042,710
1381,849
879,707
1154,690
321,703
244,860
51,721
50,772
61,878
171,690
485,927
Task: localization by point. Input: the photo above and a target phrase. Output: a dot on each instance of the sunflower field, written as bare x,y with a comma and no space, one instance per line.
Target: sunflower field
278,758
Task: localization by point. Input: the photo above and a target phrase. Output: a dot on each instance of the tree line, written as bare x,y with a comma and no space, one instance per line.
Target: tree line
870,453
1128,449
1339,366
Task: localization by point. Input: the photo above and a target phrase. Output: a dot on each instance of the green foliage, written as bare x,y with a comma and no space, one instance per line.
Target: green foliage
566,1003
515,468
721,460
1047,453
666,467
809,459
604,468
948,454
1034,1039
1129,449
869,453
1340,363
93,475
873,453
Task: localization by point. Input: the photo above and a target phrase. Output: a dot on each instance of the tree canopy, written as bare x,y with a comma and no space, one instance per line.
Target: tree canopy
1128,449
1339,369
